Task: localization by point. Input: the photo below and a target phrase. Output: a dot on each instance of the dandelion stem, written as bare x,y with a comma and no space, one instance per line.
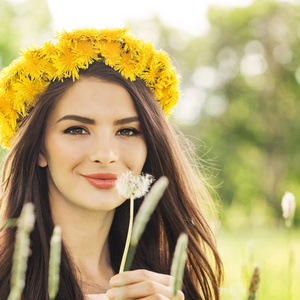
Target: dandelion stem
290,263
129,233
150,202
178,263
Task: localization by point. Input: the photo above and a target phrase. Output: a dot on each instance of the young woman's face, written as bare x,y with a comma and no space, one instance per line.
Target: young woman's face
92,136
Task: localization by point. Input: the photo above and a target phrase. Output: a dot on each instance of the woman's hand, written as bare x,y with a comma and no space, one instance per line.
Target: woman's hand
141,284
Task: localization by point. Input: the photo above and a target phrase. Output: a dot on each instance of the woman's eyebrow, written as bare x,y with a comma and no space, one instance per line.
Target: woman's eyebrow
126,120
92,122
77,118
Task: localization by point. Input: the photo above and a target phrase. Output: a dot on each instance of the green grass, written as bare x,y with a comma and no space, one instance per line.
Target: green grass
243,248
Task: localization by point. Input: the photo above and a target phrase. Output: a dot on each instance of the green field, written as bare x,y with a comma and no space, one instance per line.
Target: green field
269,248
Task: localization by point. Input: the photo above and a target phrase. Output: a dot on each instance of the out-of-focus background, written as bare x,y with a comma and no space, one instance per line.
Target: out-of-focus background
240,71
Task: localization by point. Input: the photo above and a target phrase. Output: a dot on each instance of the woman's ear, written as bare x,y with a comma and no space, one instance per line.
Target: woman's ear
42,161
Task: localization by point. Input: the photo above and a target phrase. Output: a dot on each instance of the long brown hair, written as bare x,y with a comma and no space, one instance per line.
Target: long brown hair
178,211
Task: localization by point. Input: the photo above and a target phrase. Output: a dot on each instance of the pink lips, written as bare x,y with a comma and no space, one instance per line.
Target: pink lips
103,181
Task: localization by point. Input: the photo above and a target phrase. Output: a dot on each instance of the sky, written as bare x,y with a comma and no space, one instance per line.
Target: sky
189,15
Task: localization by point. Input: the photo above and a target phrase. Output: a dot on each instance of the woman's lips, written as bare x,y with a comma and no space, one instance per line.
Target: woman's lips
104,181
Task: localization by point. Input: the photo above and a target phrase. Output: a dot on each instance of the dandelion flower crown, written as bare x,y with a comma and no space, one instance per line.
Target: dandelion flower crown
28,76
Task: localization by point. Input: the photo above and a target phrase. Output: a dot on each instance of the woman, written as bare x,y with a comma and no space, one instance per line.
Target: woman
76,114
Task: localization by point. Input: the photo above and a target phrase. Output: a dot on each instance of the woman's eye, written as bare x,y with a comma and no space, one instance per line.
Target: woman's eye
127,132
76,131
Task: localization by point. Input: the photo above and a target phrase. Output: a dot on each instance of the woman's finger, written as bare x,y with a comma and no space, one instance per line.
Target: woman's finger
140,290
136,276
179,296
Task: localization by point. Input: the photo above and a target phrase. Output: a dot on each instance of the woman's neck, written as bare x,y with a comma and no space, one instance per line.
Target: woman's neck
85,235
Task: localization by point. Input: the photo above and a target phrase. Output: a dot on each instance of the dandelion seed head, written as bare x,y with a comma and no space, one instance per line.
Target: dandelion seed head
131,185
288,205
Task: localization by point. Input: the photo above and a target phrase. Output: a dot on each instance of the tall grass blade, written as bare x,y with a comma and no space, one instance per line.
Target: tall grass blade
54,264
178,263
254,284
150,202
21,251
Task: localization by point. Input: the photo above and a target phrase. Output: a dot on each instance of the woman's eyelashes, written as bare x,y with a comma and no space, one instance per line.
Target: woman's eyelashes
128,132
78,130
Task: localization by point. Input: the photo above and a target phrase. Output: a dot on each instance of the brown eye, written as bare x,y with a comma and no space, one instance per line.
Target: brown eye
76,131
127,132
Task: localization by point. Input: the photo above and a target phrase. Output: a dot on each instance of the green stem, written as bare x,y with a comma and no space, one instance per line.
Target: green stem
130,256
290,263
129,233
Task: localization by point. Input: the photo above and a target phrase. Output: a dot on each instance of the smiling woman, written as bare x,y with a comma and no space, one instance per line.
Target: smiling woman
90,139
94,107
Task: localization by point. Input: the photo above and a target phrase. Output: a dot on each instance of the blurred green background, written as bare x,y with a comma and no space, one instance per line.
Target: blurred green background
240,107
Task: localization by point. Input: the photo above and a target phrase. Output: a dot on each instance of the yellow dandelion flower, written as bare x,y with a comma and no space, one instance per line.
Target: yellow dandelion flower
111,52
160,62
144,56
26,91
33,63
66,63
49,51
86,52
10,114
6,132
12,119
155,70
10,74
131,44
159,90
126,67
79,34
50,72
7,94
113,34
170,99
99,46
86,48
5,106
66,35
150,76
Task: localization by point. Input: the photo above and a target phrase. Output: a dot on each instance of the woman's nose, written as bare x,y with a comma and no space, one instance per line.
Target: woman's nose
104,150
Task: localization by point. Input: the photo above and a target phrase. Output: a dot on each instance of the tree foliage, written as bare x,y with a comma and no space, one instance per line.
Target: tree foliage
240,87
21,23
257,76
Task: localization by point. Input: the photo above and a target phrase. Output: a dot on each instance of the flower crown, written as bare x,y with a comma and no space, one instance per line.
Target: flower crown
28,76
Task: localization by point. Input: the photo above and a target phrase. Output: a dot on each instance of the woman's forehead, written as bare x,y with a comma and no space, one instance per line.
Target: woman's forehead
95,97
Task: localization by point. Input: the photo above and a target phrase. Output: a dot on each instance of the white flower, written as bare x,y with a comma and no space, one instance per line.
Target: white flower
132,187
288,205
135,186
